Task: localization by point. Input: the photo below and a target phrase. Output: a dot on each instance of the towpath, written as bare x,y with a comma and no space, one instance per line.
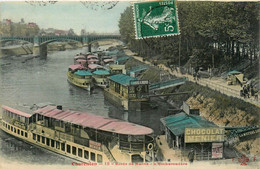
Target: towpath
215,83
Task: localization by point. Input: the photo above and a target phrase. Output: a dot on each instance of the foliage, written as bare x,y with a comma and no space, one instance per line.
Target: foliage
216,32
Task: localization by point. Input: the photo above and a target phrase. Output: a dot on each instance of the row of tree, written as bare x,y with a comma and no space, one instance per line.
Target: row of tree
211,33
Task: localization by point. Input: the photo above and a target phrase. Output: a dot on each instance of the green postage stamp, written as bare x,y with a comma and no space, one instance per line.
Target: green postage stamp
155,19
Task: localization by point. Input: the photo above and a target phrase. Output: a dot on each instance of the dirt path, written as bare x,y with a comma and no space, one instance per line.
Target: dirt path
215,83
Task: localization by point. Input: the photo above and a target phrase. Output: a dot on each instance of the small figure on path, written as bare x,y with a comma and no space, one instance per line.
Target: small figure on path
198,76
194,75
252,92
191,155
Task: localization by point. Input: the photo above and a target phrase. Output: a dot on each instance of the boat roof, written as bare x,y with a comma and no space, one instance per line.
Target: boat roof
177,123
122,79
91,56
18,112
83,73
92,60
233,72
81,61
94,121
94,66
80,57
138,68
109,60
123,58
101,72
76,66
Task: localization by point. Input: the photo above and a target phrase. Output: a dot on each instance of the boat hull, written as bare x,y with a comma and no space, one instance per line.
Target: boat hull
29,139
79,82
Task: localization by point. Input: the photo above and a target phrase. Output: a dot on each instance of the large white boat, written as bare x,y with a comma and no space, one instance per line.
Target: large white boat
79,135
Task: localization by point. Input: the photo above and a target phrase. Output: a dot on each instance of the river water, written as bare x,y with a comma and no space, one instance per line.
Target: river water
26,82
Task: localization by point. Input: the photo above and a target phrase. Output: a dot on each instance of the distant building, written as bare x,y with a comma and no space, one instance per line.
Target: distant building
60,32
7,21
32,25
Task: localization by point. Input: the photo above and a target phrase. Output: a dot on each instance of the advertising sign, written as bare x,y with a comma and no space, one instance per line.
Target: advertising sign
139,82
198,135
217,150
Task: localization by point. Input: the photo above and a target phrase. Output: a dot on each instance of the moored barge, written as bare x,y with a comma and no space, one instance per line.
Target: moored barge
79,135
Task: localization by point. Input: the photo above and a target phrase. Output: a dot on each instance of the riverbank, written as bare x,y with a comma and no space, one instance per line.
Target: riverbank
222,109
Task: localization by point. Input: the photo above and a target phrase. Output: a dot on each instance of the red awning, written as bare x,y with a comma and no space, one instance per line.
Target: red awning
14,111
94,66
96,122
123,127
108,60
80,57
77,66
91,56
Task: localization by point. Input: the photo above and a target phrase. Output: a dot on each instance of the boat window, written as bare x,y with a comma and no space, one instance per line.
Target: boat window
79,152
12,128
62,124
47,141
25,134
74,150
40,117
57,145
8,127
68,148
3,123
63,146
43,140
23,119
21,132
52,143
86,154
99,158
18,131
92,156
38,138
34,136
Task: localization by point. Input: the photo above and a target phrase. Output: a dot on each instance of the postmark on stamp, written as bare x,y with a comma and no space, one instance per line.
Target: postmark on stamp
155,19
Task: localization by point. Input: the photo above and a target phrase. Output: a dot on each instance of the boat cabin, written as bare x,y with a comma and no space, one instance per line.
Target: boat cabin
94,131
63,129
129,87
16,117
117,69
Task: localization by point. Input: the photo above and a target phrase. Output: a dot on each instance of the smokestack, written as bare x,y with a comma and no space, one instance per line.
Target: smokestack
59,107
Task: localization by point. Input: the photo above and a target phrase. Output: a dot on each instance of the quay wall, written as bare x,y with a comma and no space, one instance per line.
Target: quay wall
114,99
14,51
125,103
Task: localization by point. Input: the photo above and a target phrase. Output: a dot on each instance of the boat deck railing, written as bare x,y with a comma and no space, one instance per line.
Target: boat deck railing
135,146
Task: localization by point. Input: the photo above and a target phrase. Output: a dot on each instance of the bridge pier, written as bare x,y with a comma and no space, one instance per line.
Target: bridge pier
40,51
89,47
1,53
36,50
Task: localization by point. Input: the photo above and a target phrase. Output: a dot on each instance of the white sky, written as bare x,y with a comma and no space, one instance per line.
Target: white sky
66,15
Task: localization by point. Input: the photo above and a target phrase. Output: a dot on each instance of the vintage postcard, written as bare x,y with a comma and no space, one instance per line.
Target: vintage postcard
129,84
